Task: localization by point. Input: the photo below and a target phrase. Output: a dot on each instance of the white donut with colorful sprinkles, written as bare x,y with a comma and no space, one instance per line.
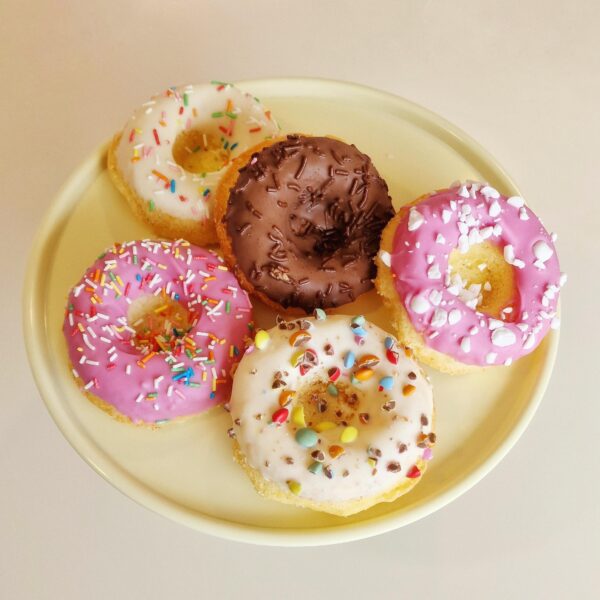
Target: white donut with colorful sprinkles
332,414
174,150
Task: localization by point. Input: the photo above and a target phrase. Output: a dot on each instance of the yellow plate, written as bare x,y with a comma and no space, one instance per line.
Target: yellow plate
185,472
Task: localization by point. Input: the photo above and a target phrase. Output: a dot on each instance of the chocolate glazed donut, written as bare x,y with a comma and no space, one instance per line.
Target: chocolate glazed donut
304,220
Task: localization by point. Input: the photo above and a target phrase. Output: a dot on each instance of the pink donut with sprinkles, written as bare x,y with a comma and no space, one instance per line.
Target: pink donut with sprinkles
415,270
154,330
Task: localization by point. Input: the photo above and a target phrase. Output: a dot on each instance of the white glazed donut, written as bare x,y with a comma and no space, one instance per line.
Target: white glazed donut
331,414
175,148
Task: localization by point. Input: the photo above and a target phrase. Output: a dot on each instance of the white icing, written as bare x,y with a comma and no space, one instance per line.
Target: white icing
265,443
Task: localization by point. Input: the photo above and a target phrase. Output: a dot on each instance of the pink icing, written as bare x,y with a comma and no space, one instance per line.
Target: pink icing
100,342
457,218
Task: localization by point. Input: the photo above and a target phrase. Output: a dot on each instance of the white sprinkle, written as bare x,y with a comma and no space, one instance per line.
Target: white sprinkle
490,358
440,239
465,345
529,342
128,369
435,297
434,272
487,286
494,209
507,310
497,230
523,214
508,362
495,324
453,204
474,237
139,398
454,316
386,258
463,243
486,232
429,258
482,266
474,330
562,280
509,254
542,251
555,323
463,228
489,192
518,263
88,385
516,201
553,236
439,319
415,219
503,337
463,191
419,305
446,214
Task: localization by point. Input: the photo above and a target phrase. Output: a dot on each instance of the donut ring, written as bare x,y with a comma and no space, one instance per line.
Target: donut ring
434,313
144,374
331,415
174,150
299,222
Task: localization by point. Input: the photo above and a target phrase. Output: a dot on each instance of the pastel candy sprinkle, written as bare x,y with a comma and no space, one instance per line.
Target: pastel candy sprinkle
294,487
349,435
298,416
332,390
413,472
389,342
359,320
324,426
334,374
364,374
349,360
320,314
335,451
316,468
286,397
386,383
307,437
262,339
280,416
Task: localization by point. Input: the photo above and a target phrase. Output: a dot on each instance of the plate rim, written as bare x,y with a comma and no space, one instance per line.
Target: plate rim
53,223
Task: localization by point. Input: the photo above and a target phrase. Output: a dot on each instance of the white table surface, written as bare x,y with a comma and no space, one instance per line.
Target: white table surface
521,76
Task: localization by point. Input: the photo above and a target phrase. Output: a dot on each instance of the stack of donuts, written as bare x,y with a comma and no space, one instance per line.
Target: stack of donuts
328,411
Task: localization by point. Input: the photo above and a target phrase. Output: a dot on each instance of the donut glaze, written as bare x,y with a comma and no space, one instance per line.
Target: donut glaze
145,151
304,219
193,373
438,305
373,428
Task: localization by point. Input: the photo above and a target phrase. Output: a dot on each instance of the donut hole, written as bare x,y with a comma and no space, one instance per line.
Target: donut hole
320,406
160,324
484,265
199,151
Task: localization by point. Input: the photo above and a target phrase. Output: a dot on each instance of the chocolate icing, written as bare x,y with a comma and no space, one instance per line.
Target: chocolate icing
305,217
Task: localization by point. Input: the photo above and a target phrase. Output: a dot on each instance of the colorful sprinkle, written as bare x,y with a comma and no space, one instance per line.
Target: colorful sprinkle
307,437
298,416
349,360
294,487
332,390
349,434
261,339
280,416
386,383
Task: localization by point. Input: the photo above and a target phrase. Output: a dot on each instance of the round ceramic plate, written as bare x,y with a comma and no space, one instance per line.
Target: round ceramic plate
185,471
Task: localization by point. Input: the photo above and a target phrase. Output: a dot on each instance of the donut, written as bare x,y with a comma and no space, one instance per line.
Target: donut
331,414
471,277
299,222
154,329
174,150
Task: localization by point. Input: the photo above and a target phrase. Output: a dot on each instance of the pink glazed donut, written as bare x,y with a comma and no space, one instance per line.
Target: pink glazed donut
175,358
436,309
